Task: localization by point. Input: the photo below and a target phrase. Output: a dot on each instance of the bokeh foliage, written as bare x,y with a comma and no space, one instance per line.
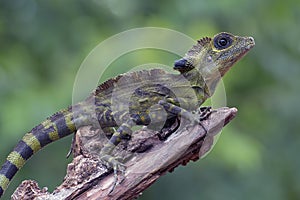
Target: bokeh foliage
42,44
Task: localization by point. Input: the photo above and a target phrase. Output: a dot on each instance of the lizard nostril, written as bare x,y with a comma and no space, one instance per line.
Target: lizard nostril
250,42
251,39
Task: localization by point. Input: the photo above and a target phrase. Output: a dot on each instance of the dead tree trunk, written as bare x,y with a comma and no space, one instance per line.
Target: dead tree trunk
147,157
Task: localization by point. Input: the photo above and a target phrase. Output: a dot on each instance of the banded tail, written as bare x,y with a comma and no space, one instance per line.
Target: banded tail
55,127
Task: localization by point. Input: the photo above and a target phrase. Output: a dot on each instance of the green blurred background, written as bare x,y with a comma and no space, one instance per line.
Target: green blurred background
43,43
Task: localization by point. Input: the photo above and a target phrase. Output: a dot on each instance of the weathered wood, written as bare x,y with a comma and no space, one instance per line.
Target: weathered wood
148,158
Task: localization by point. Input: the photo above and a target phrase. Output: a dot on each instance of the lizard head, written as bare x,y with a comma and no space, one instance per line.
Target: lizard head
212,58
215,55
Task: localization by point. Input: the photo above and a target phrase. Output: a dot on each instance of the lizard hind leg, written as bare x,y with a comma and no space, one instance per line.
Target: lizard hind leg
106,152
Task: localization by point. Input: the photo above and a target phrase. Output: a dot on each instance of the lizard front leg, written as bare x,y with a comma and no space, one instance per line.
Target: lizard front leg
194,118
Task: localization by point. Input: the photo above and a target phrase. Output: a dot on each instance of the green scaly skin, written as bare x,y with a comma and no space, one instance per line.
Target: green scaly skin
137,98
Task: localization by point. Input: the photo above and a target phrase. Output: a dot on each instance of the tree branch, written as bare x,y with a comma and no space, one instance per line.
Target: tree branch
148,158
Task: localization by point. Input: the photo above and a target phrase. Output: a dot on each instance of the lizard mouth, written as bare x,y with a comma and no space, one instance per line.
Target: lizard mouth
250,43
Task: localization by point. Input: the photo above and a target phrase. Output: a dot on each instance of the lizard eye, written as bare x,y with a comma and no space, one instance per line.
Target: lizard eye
222,41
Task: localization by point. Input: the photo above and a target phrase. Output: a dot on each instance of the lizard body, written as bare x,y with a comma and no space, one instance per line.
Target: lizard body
137,98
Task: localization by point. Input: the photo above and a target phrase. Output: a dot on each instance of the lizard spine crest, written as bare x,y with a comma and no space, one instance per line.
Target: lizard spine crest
196,49
131,77
204,41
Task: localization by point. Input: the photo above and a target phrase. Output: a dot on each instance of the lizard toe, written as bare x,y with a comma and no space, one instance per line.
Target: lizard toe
118,169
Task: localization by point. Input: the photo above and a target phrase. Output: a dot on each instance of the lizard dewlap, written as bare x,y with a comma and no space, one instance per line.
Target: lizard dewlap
126,100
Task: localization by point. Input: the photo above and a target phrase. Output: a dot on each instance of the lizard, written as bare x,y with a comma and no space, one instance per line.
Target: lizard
177,94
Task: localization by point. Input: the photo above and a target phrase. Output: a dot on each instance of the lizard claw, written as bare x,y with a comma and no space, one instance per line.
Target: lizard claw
197,121
204,112
117,166
199,115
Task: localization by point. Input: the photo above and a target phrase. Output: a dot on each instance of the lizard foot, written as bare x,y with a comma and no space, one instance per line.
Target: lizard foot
195,120
201,114
204,112
117,166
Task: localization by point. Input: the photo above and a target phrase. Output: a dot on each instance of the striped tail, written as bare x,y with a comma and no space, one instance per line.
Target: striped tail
55,127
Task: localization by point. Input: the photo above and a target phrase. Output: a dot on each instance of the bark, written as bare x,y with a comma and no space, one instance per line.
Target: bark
147,158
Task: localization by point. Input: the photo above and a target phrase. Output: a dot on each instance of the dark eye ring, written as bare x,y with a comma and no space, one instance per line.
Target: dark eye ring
222,41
